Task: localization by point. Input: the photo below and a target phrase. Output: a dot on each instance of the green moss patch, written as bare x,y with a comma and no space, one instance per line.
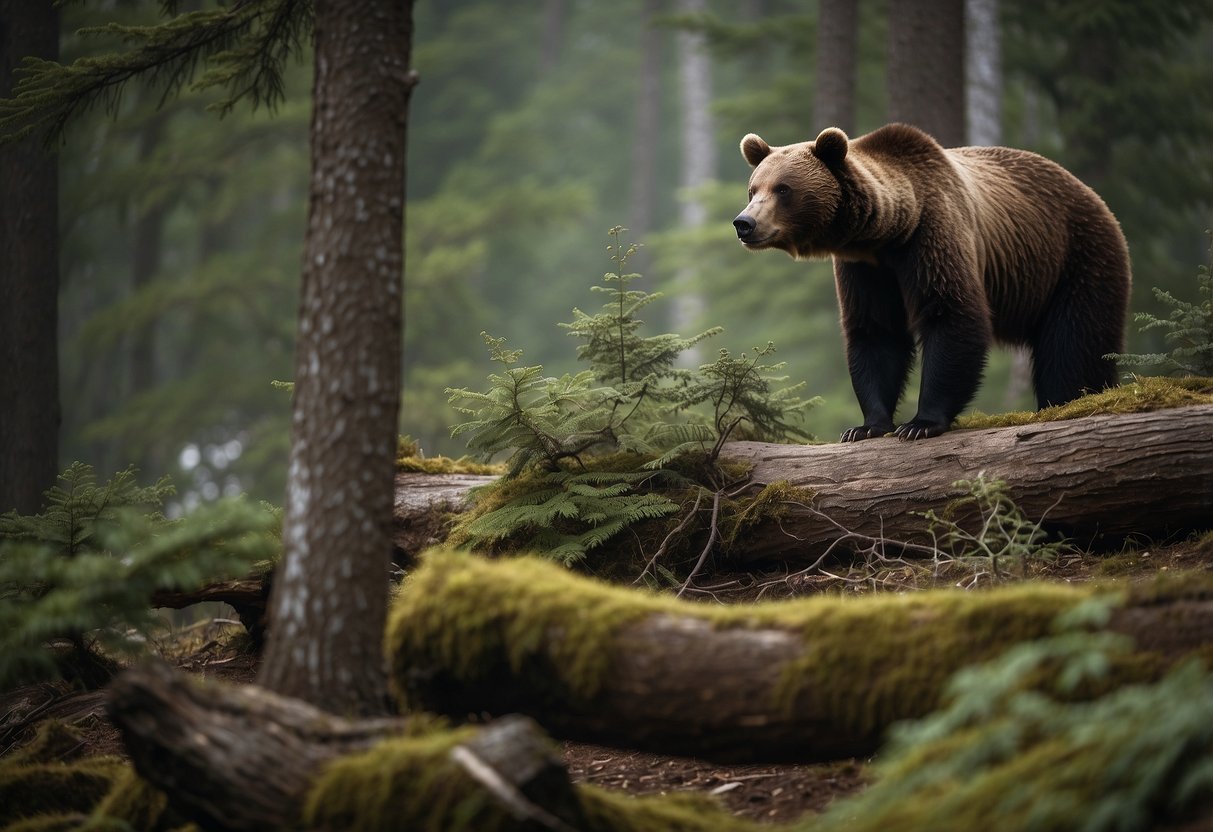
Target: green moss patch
30,789
1143,394
412,783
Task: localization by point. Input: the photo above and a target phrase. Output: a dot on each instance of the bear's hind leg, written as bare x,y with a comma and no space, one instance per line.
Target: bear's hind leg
1084,322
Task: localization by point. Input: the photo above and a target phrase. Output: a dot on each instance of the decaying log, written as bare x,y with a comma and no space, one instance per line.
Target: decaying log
247,596
424,506
1097,480
815,679
242,758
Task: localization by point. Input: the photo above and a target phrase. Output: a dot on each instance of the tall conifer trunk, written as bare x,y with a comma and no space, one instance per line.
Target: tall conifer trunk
926,68
29,279
330,591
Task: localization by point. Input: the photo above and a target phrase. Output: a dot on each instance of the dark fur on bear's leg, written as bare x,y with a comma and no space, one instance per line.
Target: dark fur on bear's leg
953,358
879,346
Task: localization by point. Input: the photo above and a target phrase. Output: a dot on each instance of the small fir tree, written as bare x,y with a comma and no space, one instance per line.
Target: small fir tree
82,573
1189,328
632,399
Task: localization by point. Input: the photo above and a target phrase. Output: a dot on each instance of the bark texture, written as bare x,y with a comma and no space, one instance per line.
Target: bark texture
926,67
231,757
330,593
29,279
424,506
817,679
1097,480
837,65
241,758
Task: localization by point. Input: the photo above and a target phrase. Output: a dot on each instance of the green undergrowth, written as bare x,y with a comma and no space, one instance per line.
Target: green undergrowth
1000,756
1143,393
867,662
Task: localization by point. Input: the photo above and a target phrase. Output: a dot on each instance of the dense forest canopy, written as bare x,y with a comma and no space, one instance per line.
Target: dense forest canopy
182,231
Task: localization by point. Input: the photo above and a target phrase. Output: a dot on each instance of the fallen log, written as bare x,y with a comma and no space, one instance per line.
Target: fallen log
243,758
815,679
1097,480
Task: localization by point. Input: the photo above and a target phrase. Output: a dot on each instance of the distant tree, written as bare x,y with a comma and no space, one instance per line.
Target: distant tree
983,72
29,278
837,65
698,157
926,67
646,133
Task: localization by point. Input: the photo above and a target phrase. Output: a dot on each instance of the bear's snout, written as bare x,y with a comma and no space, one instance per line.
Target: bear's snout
744,225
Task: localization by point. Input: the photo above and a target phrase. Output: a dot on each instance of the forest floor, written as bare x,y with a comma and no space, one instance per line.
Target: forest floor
212,648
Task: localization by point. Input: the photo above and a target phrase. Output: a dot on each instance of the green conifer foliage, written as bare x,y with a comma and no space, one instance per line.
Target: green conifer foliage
83,571
632,399
1189,328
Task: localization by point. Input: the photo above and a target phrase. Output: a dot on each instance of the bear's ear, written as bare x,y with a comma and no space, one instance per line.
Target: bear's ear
754,149
831,146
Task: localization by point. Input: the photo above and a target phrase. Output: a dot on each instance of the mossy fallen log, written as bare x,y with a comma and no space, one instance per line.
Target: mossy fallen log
815,679
240,758
1097,479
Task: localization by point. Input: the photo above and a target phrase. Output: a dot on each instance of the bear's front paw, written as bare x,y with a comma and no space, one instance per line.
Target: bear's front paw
918,428
865,432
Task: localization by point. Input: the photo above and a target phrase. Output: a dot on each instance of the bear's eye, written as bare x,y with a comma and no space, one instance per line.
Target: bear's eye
751,193
782,190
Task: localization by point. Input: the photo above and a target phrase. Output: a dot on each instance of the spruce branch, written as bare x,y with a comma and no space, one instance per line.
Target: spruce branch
249,41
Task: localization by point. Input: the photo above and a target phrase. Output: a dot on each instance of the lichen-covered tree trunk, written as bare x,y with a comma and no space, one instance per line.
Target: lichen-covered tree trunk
815,679
29,279
330,592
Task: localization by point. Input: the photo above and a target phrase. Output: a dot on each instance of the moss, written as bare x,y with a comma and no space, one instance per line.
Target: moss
412,783
768,505
54,741
29,789
59,822
135,802
867,662
1144,393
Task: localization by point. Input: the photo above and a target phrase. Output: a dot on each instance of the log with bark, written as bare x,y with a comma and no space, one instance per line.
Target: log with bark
815,679
243,758
1096,479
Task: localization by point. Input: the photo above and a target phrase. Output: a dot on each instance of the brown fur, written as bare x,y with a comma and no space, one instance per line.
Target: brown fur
948,249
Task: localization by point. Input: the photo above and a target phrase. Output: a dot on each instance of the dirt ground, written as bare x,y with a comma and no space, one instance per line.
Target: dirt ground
210,648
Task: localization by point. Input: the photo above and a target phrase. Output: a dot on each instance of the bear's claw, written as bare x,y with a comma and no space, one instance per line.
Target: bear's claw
919,429
865,432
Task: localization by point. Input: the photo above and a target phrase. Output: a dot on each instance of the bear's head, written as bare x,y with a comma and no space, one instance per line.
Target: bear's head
794,194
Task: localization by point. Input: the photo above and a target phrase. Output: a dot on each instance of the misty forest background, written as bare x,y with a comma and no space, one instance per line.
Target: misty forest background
535,128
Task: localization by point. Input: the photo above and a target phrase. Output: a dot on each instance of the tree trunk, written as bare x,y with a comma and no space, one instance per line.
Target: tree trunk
646,134
698,164
241,758
29,279
553,35
330,591
837,65
1098,480
817,679
926,69
983,72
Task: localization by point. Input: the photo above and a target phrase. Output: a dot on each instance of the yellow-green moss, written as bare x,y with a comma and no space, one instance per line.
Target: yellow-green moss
1142,394
412,783
867,661
135,802
768,505
30,789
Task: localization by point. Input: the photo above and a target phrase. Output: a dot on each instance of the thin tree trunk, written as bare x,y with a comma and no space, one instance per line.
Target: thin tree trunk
983,72
29,279
698,162
837,65
926,68
553,35
330,591
646,134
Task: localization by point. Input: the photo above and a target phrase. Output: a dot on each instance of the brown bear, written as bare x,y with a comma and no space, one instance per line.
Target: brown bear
946,249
